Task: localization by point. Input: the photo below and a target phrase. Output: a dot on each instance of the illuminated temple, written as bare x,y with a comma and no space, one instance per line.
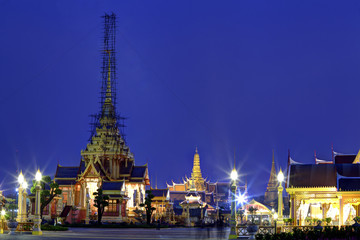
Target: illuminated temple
206,194
327,189
106,161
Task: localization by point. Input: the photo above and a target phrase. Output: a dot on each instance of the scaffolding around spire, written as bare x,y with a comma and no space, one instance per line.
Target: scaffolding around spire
107,116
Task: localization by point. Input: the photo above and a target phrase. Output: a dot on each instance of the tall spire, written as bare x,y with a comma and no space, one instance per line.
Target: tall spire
272,179
196,171
108,91
196,177
271,191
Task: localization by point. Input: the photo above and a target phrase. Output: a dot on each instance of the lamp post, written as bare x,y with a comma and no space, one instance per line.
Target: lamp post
275,220
23,204
233,176
21,180
37,219
2,221
280,178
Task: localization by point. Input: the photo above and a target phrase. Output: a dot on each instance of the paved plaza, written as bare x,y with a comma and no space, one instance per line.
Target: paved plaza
129,233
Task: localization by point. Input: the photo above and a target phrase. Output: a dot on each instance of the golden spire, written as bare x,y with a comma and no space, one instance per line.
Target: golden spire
196,171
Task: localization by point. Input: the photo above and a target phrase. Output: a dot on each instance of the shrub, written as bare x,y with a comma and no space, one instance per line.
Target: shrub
47,227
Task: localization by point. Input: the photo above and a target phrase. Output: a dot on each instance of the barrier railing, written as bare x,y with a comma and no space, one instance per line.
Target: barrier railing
242,230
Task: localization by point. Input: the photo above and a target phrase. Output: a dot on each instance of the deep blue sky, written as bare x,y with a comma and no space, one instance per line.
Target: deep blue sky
246,75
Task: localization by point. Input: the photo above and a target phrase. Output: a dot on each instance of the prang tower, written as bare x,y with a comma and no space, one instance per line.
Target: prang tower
271,190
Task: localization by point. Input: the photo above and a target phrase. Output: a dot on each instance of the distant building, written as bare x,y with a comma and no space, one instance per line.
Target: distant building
211,195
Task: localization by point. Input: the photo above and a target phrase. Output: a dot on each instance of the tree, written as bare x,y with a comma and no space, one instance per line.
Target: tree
10,205
101,201
49,190
241,213
148,208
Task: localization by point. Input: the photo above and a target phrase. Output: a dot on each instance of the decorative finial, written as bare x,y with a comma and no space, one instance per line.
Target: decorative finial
196,150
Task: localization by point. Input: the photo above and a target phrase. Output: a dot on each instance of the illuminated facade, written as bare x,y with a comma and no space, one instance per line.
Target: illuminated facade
325,190
162,205
193,207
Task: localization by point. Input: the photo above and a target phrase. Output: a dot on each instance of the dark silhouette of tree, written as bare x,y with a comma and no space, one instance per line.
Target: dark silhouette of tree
49,190
148,208
101,201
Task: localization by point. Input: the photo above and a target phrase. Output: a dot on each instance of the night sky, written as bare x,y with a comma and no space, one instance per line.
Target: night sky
249,76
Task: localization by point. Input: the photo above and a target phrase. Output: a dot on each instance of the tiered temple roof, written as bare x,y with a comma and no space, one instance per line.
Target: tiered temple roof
344,175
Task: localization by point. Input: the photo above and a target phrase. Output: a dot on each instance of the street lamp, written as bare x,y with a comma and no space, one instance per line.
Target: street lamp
233,176
37,220
21,216
2,221
275,216
21,178
280,178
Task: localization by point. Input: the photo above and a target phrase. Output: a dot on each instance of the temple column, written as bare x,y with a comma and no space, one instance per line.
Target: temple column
23,207
119,204
87,217
20,204
292,208
82,195
341,211
59,206
70,198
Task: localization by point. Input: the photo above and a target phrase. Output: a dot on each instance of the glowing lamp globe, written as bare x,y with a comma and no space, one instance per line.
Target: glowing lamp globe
234,175
21,178
3,212
280,176
38,176
25,184
275,216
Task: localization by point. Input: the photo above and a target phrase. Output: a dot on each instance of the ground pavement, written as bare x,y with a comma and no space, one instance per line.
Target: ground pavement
128,234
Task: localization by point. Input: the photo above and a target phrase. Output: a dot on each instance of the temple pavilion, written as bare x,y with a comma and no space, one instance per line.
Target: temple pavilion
106,162
208,195
326,189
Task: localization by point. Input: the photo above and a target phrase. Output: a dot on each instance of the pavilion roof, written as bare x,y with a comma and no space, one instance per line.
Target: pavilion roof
66,172
65,182
311,175
348,170
138,171
340,159
112,185
346,184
